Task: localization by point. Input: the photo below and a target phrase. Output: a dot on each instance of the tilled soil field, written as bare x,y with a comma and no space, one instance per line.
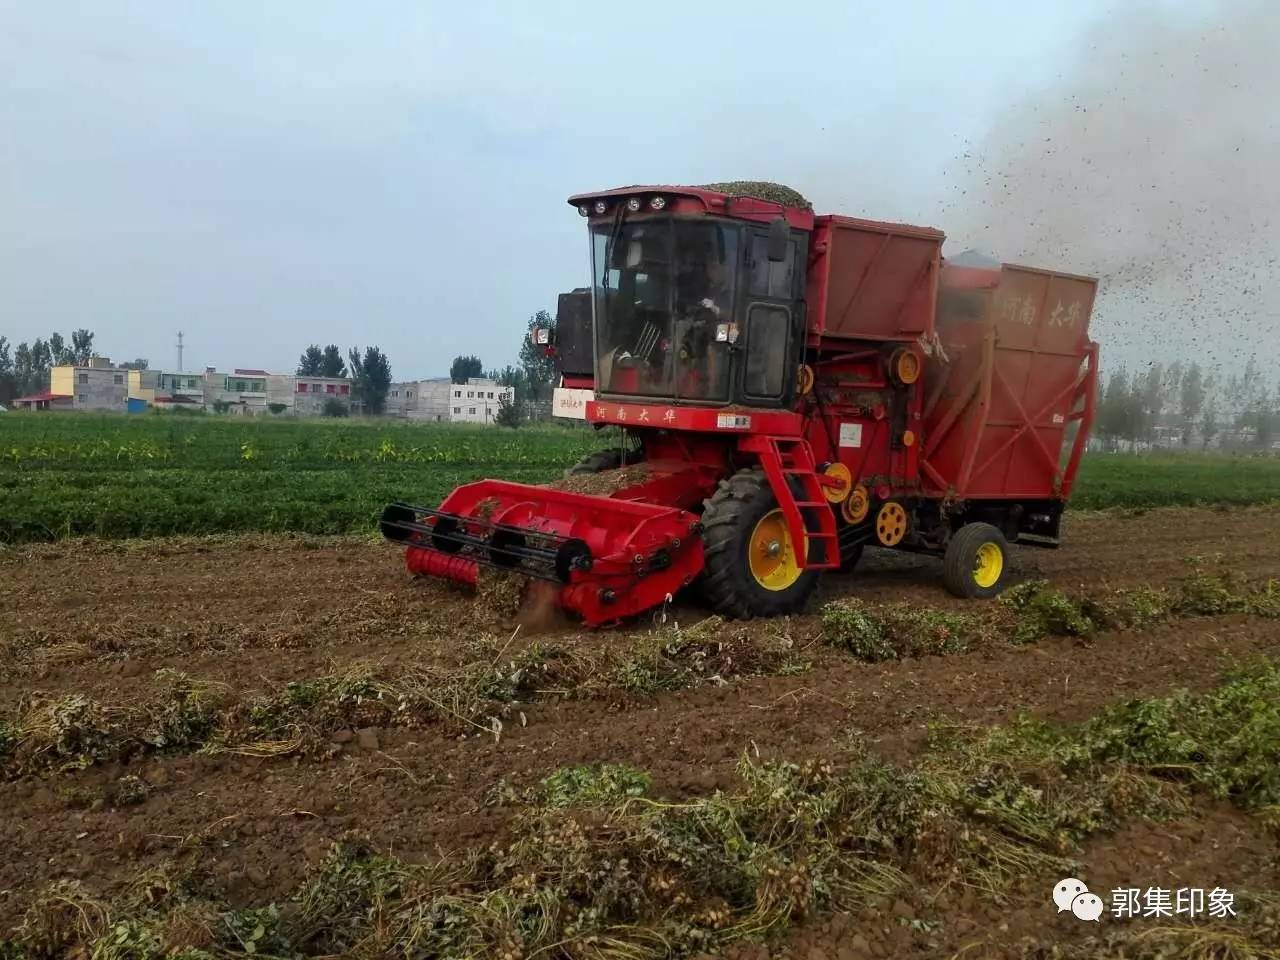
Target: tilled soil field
229,709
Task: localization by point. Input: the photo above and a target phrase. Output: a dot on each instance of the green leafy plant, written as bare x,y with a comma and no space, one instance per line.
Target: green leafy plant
333,407
570,786
509,413
257,931
893,630
1043,610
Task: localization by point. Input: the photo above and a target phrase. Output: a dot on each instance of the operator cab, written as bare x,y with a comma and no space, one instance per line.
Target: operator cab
697,295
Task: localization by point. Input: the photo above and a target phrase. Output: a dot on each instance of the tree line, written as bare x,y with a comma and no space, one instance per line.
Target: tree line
369,370
532,379
24,369
1174,405
1180,405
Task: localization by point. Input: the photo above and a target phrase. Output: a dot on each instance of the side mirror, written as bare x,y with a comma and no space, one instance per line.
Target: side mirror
635,254
541,336
779,237
626,256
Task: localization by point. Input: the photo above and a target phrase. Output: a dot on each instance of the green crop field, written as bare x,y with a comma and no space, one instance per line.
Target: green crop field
1175,479
149,475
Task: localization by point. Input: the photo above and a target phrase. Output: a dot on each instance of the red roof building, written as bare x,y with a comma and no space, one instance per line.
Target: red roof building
45,400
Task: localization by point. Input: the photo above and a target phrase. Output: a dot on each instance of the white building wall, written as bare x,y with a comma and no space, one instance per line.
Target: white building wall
402,400
433,400
424,401
225,388
477,400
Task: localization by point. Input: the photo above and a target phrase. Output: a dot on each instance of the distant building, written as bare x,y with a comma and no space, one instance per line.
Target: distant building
167,390
44,400
242,392
97,386
477,400
440,400
252,392
309,394
402,400
420,400
245,391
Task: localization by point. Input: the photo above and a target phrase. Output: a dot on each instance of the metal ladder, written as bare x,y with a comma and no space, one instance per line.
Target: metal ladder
788,464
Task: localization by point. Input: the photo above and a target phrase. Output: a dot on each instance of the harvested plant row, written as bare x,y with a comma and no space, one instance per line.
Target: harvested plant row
45,736
32,652
596,866
49,735
1034,610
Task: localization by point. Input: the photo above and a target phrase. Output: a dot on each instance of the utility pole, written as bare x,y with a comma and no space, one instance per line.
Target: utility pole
179,351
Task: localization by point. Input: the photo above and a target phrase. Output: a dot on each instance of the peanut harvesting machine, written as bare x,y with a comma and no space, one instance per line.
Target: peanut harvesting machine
790,388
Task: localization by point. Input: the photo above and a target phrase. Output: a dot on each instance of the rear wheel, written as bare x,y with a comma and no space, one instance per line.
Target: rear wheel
753,569
976,560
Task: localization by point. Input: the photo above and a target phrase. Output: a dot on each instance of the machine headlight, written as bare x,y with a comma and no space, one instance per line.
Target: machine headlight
584,210
633,204
601,207
657,203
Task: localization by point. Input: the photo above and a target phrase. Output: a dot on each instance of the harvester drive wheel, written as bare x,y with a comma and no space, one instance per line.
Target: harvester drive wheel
975,562
600,461
753,569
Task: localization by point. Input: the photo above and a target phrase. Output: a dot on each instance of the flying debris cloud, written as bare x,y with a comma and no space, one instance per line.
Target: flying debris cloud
1153,163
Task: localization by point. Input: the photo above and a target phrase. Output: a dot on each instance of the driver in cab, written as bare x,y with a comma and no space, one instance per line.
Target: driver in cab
703,311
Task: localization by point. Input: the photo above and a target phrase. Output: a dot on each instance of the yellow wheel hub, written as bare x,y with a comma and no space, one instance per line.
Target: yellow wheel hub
988,564
891,524
770,553
856,508
844,480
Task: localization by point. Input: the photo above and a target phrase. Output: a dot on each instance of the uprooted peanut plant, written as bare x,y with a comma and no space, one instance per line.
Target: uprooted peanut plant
597,866
1032,611
43,735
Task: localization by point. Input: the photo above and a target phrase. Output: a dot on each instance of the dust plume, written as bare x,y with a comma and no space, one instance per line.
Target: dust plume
1153,163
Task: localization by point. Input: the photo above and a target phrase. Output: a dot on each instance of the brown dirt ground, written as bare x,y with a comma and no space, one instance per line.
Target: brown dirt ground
255,612
1217,847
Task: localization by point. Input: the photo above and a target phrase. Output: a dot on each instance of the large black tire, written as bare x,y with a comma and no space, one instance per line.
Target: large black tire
600,461
728,522
964,573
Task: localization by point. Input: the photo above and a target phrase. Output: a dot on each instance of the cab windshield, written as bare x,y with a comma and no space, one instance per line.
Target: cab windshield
664,291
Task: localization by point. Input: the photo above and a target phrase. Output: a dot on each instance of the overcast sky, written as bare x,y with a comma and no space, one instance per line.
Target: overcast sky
267,175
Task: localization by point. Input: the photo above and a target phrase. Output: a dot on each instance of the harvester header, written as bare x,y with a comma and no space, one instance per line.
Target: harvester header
790,388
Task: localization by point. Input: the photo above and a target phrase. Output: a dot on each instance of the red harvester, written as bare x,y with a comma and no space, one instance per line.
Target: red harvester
792,388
